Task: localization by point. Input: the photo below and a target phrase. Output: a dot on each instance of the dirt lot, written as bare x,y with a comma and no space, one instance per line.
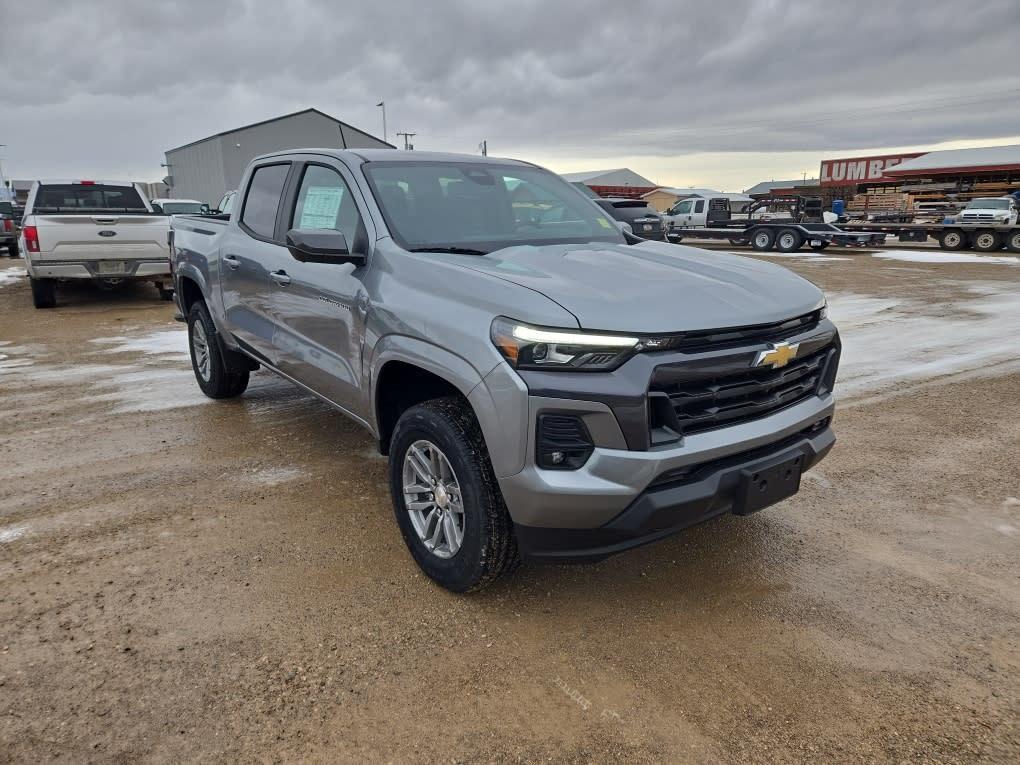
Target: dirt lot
223,581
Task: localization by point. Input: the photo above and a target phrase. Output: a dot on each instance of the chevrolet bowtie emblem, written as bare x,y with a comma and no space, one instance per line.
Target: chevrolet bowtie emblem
779,355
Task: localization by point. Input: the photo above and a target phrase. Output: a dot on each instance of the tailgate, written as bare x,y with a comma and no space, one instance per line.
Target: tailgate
101,236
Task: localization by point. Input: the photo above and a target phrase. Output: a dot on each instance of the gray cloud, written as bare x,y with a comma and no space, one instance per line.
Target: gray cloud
106,87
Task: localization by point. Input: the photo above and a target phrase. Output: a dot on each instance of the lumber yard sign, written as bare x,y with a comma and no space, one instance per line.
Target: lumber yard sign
849,172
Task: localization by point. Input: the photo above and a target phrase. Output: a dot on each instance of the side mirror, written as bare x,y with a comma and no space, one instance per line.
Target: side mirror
204,209
321,246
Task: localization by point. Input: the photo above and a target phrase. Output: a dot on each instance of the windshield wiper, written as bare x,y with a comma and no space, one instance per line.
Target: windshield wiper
451,250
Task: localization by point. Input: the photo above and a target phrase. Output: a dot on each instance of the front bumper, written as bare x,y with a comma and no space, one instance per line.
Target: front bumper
614,478
709,490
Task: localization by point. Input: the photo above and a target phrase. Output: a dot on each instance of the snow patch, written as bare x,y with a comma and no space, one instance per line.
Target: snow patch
899,341
10,533
914,256
274,476
12,275
171,344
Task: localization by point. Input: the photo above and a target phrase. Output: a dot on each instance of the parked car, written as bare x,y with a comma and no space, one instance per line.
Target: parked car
100,231
640,219
9,229
179,206
543,385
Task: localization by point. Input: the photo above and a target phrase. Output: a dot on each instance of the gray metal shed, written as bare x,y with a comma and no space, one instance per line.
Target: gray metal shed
207,168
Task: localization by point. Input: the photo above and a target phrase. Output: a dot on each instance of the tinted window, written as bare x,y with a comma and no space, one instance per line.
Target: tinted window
324,202
68,197
263,199
6,208
699,206
628,211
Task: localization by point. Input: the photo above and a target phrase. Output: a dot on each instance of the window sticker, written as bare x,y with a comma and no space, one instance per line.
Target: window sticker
320,208
604,223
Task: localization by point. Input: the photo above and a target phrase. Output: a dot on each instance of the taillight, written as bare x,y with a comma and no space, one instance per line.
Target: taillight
31,234
8,225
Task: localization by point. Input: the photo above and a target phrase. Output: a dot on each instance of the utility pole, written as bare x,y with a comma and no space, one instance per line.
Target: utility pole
382,105
408,146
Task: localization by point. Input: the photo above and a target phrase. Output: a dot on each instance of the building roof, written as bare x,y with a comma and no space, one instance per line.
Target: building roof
766,186
691,192
277,119
620,176
961,160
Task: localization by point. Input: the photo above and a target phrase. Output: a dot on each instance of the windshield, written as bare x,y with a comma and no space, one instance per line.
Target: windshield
483,206
988,204
178,208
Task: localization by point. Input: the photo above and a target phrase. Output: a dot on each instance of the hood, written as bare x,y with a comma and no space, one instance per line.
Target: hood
653,287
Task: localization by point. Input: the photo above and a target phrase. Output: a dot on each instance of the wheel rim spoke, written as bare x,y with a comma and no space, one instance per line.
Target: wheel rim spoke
433,499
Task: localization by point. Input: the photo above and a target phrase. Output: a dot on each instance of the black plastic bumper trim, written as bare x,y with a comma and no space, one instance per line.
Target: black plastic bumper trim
664,510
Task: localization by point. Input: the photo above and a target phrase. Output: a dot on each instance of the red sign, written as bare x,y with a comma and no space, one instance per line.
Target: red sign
850,172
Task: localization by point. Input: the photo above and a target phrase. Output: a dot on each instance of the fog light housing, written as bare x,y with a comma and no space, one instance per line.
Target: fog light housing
562,442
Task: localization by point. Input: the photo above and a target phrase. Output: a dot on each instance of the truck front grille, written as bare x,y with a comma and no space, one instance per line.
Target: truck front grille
731,396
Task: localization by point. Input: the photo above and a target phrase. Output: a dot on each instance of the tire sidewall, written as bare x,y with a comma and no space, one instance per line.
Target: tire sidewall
460,572
796,240
766,244
200,313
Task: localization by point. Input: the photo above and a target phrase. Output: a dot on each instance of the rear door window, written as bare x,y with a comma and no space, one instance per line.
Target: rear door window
699,206
263,199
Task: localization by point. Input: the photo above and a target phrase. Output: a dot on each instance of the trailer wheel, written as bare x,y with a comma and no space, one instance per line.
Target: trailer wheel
952,240
789,240
987,241
763,239
1013,241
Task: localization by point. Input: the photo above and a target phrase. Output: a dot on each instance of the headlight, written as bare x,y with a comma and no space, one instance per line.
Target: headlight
528,347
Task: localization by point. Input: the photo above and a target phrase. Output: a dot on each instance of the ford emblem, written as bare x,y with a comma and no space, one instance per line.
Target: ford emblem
108,233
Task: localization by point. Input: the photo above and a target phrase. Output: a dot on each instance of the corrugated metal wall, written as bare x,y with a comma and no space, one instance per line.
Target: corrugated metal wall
197,171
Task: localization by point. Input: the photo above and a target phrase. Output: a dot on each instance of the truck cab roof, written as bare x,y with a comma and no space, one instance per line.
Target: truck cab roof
358,156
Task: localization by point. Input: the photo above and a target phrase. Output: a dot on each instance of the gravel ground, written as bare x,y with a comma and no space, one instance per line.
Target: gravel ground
223,581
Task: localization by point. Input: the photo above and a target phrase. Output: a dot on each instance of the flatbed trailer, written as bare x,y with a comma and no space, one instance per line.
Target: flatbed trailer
983,237
785,236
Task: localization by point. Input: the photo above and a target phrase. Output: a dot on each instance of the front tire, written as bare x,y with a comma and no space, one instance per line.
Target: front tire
447,503
215,377
44,292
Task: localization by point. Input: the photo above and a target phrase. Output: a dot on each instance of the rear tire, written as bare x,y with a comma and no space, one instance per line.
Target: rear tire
1013,241
13,250
763,239
789,240
164,292
953,240
215,377
446,429
987,241
44,292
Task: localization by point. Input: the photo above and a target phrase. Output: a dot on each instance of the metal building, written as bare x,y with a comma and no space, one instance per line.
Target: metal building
206,169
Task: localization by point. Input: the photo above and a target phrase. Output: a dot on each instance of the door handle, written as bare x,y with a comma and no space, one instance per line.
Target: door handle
280,277
232,262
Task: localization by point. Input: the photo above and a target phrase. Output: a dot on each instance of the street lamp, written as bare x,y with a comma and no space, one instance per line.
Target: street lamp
382,105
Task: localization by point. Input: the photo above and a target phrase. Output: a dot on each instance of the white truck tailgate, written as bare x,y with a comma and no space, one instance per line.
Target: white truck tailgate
101,236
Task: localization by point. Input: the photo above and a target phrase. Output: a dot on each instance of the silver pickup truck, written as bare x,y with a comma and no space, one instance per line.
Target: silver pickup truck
543,384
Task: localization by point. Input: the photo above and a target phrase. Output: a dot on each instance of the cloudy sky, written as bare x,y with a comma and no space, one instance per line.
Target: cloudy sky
722,94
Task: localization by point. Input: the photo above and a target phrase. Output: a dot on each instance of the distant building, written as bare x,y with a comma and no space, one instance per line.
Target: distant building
665,197
783,188
207,168
620,182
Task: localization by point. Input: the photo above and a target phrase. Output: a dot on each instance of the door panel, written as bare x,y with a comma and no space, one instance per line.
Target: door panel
319,308
248,253
245,264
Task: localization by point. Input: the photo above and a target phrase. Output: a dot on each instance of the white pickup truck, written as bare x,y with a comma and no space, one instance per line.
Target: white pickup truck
100,231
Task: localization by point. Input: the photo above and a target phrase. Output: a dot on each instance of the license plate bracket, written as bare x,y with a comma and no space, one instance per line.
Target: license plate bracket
768,483
112,267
